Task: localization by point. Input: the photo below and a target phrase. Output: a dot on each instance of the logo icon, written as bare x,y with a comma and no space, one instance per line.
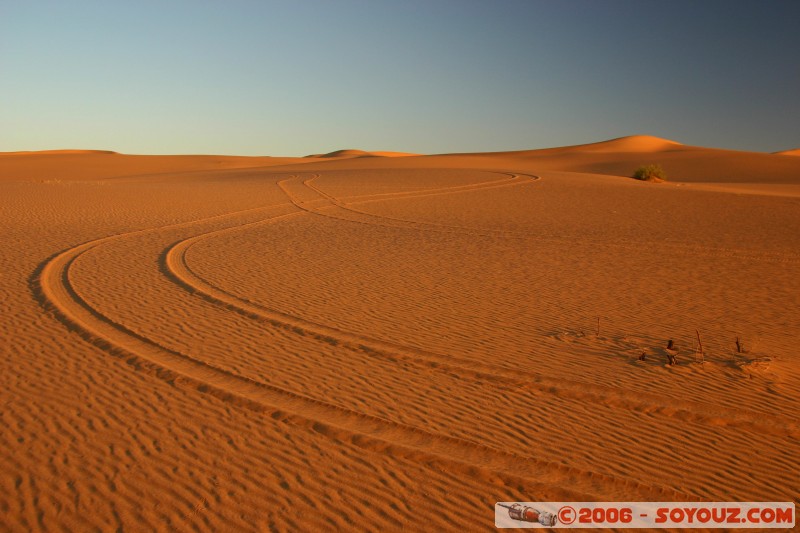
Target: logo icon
523,513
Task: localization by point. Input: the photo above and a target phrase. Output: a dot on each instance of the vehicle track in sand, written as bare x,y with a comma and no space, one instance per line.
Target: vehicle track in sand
415,224
685,248
53,287
321,203
175,265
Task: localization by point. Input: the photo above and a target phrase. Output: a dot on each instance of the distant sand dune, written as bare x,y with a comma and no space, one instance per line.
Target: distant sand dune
57,152
633,143
682,163
87,165
360,153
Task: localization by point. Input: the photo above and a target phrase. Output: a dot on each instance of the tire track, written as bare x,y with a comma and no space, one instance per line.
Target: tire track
54,288
430,226
175,265
689,249
691,411
513,179
324,204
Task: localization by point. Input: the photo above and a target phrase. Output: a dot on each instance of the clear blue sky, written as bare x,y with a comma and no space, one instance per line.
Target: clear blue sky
431,76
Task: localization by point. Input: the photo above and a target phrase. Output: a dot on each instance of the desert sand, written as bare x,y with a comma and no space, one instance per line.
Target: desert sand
356,341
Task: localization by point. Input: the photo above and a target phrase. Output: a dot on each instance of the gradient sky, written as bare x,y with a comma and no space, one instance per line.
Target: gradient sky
431,76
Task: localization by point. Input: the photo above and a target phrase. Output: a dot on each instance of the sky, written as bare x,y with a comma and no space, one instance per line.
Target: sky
292,78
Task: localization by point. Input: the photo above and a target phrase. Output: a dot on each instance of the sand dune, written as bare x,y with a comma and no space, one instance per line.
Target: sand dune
364,343
632,143
743,172
682,163
360,153
795,152
56,152
88,165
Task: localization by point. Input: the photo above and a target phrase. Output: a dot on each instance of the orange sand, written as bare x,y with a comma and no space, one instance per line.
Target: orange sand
350,342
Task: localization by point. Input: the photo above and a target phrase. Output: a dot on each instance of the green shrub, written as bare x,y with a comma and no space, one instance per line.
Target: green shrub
650,173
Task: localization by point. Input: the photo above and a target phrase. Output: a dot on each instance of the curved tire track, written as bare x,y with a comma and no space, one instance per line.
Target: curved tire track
325,203
689,249
175,265
55,290
515,179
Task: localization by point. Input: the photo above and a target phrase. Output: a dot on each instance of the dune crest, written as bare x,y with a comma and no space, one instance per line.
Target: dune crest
795,152
631,143
349,153
393,154
59,152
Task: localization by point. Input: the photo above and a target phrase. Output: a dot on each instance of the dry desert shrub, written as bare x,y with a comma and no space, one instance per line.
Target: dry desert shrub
650,173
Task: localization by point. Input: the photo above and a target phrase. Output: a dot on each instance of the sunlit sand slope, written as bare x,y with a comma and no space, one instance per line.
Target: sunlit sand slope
54,166
686,165
374,343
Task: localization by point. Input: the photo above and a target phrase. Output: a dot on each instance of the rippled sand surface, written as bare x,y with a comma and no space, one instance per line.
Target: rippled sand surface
356,341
